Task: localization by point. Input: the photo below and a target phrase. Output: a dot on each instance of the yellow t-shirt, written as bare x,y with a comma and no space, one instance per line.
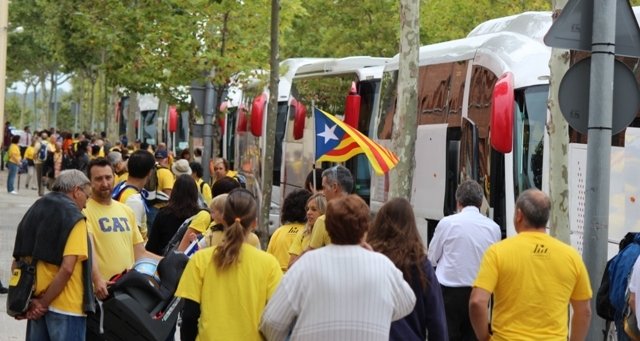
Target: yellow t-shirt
165,181
214,238
14,154
29,153
205,190
281,241
114,232
201,221
319,236
120,178
299,244
69,301
231,301
532,277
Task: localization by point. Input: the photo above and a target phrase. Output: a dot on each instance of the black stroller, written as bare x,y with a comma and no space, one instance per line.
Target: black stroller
141,307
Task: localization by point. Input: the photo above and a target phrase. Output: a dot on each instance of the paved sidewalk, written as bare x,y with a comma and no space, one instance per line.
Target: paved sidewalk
12,208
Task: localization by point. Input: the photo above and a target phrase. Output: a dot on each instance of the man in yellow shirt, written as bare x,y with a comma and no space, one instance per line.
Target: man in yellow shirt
63,290
533,278
337,182
117,243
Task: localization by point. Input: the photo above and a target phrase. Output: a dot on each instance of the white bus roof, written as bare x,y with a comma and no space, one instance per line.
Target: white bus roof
364,67
512,43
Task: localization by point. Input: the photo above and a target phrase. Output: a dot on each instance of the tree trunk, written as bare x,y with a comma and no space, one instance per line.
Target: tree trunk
270,135
131,117
44,117
404,140
27,85
558,144
114,126
92,106
81,118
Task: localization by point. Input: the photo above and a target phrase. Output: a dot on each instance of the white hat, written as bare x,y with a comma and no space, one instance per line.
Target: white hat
180,167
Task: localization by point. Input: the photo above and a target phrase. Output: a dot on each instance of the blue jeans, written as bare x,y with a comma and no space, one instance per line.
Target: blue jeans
57,327
11,180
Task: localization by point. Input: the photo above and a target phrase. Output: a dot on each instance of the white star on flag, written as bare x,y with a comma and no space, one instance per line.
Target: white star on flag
329,133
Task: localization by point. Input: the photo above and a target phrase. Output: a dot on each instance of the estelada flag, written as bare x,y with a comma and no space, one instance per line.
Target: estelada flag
337,141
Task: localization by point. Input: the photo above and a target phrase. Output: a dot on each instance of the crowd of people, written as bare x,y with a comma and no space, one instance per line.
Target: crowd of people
330,271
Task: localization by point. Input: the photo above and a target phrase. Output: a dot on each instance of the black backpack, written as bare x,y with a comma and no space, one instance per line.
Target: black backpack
177,237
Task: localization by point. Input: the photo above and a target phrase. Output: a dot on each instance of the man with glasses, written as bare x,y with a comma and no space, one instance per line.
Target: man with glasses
53,232
337,182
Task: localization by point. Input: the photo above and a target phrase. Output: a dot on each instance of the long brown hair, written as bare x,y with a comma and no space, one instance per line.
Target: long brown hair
395,234
240,211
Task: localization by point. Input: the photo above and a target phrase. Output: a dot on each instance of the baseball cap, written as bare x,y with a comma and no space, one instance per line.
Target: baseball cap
161,154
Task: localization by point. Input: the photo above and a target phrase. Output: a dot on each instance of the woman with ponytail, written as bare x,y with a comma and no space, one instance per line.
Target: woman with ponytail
227,287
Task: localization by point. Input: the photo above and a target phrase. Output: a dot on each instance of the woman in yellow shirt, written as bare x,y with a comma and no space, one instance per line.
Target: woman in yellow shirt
13,164
29,155
233,280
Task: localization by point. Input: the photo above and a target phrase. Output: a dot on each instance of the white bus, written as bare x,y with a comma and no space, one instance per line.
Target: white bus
482,113
324,82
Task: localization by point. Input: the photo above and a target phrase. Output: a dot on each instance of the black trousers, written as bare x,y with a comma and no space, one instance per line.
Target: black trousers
456,306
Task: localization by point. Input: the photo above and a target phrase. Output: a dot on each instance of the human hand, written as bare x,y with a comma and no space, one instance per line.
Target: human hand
100,288
37,309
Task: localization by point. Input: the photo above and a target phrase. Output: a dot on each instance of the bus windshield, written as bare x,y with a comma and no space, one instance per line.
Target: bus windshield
530,119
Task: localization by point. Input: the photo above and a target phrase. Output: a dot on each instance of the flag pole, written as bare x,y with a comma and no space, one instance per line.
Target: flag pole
313,166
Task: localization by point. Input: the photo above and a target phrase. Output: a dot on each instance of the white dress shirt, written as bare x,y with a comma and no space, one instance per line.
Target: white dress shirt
458,244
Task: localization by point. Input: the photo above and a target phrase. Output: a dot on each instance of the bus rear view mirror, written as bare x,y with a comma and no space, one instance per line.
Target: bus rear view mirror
352,107
299,117
257,111
502,110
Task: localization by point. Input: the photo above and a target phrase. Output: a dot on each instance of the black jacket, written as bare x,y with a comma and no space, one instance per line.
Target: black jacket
43,232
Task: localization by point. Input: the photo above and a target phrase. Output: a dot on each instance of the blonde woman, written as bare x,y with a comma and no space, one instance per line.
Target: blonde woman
316,206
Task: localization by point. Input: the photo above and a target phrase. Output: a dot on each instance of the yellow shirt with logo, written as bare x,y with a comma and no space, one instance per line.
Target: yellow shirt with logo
300,243
69,301
114,232
532,276
281,242
319,236
233,309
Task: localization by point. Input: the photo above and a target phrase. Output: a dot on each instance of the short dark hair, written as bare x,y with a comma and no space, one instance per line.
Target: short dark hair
293,207
339,175
15,138
196,168
98,162
224,185
140,163
535,207
469,193
347,220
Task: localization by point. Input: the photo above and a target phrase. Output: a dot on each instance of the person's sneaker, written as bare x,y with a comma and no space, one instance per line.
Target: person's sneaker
4,290
14,192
